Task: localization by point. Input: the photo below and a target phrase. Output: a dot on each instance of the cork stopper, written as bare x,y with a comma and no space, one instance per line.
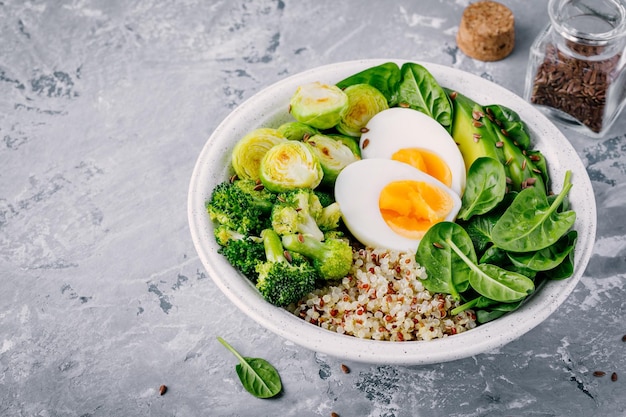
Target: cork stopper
486,31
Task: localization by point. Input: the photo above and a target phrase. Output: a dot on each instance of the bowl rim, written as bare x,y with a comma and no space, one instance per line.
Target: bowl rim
259,108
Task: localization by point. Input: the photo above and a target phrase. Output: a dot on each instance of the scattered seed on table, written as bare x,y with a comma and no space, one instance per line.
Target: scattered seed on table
599,373
624,338
345,369
614,376
333,414
162,389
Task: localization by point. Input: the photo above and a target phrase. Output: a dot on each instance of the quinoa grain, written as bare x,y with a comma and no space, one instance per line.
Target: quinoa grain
383,298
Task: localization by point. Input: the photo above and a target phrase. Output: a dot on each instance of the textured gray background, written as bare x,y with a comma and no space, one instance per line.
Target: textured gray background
104,107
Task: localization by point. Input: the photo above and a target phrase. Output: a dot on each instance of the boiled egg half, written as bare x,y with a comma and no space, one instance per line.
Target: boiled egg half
415,138
411,177
390,204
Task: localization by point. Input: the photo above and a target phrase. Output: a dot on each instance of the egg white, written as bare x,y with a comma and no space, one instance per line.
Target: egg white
399,128
357,190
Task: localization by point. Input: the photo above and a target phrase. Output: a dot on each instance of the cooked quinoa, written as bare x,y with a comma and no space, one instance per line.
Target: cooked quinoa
383,299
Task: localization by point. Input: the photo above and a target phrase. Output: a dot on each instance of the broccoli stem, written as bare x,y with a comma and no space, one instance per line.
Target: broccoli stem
274,251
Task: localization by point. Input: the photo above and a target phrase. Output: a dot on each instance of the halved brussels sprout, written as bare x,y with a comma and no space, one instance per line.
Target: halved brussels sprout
290,165
296,130
364,101
350,141
250,149
333,156
318,105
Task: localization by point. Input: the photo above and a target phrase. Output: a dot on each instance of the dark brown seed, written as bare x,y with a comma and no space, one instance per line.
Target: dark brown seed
476,123
364,130
258,187
624,338
365,143
614,376
504,132
301,238
306,137
162,390
287,256
345,369
438,245
453,95
599,373
233,178
508,161
333,414
535,158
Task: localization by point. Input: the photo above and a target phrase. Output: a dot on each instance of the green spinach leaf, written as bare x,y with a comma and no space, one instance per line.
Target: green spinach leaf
494,282
531,223
257,375
419,90
484,189
447,273
547,258
496,311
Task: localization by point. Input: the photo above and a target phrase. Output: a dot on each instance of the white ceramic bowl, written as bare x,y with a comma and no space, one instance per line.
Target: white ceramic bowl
269,108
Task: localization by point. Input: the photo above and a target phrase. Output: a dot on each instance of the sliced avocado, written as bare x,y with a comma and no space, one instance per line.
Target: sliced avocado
474,139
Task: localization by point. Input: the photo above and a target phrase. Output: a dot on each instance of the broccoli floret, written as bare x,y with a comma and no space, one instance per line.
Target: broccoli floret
241,205
332,259
296,212
326,198
329,217
280,281
242,252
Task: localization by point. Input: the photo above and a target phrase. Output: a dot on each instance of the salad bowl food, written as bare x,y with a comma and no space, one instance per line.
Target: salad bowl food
271,108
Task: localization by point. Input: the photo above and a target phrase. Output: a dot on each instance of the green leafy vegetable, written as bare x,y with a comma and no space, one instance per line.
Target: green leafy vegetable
531,223
257,376
492,281
485,187
420,91
447,273
547,258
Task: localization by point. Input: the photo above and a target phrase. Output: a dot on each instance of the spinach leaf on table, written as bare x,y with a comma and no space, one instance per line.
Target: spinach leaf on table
257,375
531,223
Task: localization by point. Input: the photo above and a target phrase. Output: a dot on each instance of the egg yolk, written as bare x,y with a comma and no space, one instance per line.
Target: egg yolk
426,161
410,207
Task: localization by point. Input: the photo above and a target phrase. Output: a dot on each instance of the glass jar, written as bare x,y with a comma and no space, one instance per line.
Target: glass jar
576,71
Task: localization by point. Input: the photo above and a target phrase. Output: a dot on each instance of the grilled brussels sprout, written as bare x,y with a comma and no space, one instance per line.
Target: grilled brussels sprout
318,105
296,130
333,156
289,165
364,101
249,150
